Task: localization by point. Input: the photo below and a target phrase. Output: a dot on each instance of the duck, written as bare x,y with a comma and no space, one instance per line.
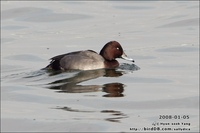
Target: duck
89,59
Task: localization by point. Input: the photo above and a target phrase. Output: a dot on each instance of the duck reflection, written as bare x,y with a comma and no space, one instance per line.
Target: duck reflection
72,84
119,115
116,116
113,90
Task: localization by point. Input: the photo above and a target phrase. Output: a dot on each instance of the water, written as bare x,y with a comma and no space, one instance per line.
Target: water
162,38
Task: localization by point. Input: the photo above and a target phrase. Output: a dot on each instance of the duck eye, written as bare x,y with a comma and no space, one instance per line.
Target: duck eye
117,48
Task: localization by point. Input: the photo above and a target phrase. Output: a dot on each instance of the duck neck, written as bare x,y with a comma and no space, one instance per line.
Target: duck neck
111,64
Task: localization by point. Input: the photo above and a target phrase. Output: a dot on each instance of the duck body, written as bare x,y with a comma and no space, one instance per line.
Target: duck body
88,59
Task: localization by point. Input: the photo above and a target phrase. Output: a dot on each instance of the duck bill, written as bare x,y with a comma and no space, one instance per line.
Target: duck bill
125,57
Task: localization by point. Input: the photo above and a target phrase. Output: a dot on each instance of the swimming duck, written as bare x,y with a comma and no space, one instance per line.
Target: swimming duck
89,59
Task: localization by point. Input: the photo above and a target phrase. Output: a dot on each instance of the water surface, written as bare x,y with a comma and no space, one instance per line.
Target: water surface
162,37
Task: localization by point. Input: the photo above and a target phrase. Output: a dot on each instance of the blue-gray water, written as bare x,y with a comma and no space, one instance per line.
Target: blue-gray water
161,36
